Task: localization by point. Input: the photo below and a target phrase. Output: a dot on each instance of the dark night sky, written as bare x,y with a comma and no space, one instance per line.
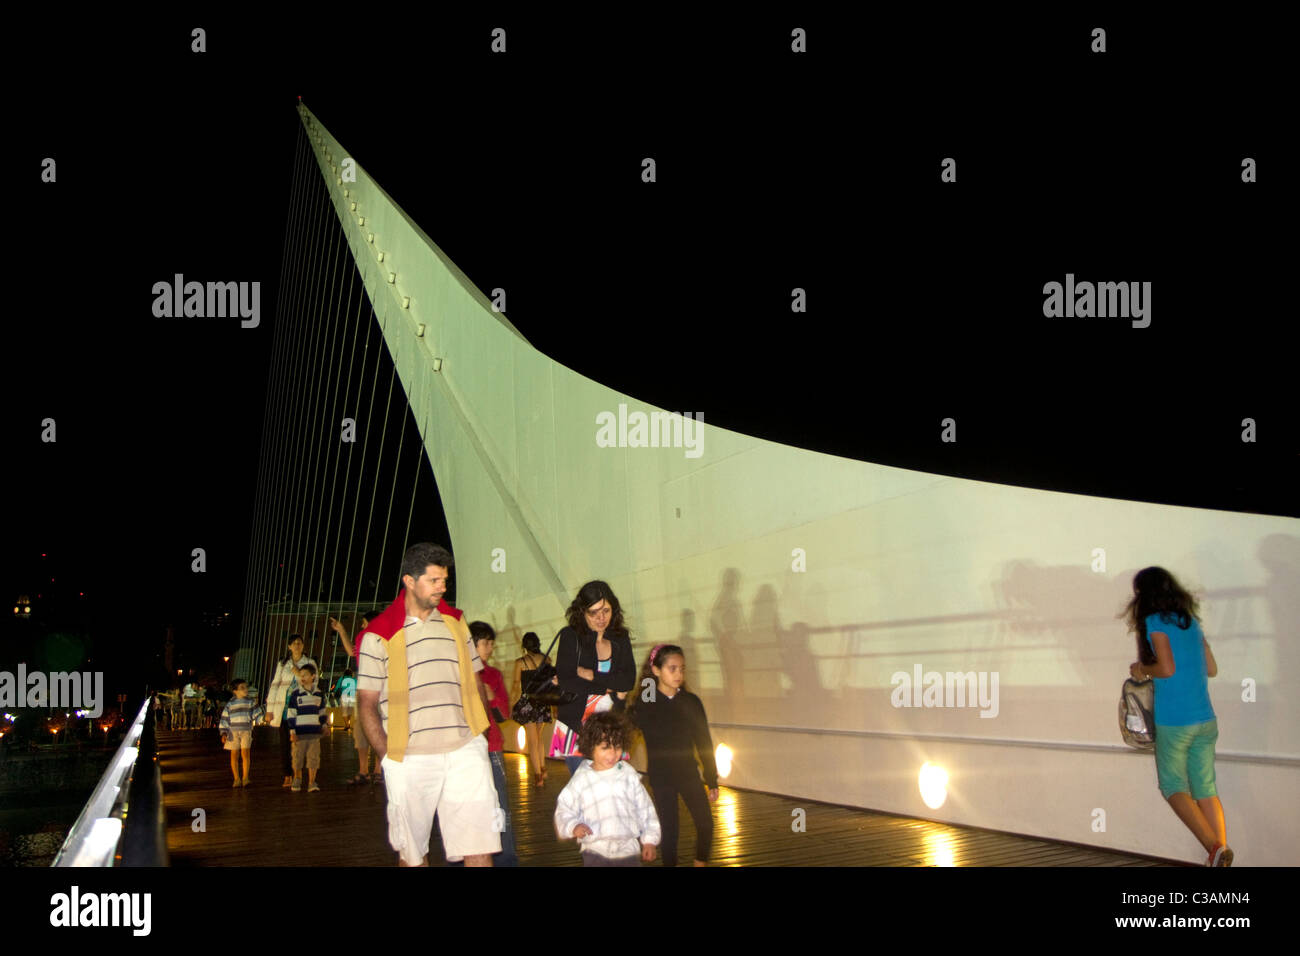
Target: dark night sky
774,172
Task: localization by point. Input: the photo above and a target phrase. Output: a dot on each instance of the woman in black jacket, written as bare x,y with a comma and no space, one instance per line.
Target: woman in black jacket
594,660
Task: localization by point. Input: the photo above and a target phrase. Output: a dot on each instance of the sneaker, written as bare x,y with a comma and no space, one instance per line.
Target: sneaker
297,785
314,786
1222,856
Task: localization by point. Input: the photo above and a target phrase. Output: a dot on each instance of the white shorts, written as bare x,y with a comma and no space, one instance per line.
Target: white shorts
458,787
239,739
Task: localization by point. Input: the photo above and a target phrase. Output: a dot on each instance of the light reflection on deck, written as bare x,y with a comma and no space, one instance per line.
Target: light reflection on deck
267,825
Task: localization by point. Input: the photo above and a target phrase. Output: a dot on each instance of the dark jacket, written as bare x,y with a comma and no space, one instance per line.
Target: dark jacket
675,729
579,650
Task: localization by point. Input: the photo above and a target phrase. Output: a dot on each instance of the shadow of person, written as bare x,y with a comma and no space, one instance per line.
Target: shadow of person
727,625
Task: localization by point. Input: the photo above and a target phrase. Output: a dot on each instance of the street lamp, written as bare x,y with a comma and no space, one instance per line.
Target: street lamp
227,660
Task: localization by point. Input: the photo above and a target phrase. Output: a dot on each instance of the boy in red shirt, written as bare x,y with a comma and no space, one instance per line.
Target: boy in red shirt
498,709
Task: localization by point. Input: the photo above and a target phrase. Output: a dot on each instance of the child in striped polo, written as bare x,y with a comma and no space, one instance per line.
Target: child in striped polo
306,715
237,730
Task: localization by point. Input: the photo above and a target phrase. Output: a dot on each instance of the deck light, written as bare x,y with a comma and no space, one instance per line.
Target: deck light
722,756
933,781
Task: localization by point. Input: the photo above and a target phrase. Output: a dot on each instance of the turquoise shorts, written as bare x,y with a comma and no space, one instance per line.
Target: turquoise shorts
1185,759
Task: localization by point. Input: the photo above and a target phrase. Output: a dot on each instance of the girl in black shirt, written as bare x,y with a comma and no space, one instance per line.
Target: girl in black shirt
675,727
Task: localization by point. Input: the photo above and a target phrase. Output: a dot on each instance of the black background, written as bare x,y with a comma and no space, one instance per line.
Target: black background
774,171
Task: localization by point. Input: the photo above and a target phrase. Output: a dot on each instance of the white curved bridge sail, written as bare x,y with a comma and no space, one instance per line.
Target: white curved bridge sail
803,586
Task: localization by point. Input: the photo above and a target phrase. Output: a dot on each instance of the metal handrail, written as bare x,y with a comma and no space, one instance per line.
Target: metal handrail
94,838
144,832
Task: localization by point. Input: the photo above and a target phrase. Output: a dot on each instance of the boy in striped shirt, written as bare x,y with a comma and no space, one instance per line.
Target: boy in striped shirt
306,716
237,730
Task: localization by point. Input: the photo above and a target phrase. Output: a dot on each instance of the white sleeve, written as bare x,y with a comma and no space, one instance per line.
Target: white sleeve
650,830
568,810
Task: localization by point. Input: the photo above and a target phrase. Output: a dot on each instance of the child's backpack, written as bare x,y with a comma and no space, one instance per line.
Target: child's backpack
1137,709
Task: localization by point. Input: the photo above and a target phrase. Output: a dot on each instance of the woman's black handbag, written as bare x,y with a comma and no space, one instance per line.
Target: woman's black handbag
552,696
541,695
526,711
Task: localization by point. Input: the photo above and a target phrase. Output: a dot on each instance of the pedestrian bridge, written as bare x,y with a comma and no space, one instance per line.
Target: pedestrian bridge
815,596
264,824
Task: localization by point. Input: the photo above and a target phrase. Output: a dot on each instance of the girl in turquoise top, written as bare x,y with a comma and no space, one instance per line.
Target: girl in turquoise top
347,691
1173,651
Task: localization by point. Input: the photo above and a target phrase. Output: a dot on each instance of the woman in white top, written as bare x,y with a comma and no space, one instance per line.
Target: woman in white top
277,700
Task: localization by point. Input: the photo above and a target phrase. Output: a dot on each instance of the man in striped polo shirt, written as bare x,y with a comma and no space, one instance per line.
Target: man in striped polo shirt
424,710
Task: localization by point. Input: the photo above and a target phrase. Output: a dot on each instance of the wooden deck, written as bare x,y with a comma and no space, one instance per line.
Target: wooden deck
268,825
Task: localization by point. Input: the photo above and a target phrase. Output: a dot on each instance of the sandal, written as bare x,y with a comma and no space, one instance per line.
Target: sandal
359,778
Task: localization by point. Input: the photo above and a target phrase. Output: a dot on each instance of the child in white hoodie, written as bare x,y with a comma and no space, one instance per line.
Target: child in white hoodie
605,805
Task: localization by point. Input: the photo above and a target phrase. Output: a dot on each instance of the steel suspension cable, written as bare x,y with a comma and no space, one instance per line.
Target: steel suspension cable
259,495
319,441
392,493
383,437
291,455
365,444
306,445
